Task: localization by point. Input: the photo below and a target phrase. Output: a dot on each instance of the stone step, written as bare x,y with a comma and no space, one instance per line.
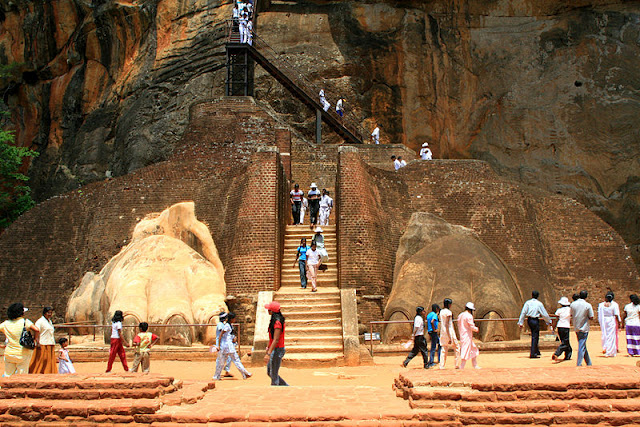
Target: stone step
309,348
298,307
326,228
319,282
304,323
295,332
315,360
87,381
311,315
38,409
309,298
82,394
294,341
294,292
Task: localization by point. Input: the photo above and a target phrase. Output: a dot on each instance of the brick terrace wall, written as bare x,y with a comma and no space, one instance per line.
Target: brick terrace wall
238,189
506,217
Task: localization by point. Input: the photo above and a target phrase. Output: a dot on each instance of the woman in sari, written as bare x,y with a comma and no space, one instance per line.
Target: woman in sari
632,325
609,319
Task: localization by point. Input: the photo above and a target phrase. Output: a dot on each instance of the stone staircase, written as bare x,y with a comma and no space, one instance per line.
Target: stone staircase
314,320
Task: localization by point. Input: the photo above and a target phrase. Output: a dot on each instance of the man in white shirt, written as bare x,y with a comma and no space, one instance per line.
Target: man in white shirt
396,162
314,260
375,135
339,108
323,101
326,204
402,162
563,327
425,152
581,313
313,197
533,310
448,338
419,342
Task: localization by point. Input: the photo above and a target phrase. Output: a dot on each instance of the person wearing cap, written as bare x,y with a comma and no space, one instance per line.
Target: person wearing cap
533,310
448,338
419,341
314,261
295,196
275,349
227,350
466,327
563,327
219,327
339,107
425,152
375,135
43,360
313,196
16,357
326,204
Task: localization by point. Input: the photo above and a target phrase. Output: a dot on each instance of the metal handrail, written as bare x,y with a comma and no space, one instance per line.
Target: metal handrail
349,121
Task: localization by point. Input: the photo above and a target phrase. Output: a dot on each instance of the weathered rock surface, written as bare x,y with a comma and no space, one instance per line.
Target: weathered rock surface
170,273
437,260
547,92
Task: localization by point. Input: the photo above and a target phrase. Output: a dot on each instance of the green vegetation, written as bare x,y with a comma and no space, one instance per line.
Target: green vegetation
15,194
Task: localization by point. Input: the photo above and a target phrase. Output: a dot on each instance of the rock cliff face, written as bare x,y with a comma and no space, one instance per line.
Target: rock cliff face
545,91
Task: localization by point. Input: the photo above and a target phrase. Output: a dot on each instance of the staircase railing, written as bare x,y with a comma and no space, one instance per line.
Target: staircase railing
349,121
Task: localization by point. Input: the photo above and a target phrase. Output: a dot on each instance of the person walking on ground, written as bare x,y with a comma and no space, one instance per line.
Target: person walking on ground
219,328
419,342
582,313
226,349
65,366
533,310
563,327
425,152
326,205
467,327
17,357
303,209
323,101
448,337
432,328
43,360
301,259
314,261
339,107
295,196
375,135
632,325
143,342
609,320
275,349
314,204
117,341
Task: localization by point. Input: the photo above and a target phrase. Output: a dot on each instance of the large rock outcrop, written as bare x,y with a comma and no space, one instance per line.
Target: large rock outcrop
170,274
544,91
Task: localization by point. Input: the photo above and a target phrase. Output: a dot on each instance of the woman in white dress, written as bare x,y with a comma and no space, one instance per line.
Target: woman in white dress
448,339
609,319
303,209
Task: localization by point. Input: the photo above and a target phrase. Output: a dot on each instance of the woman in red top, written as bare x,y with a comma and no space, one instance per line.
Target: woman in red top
275,350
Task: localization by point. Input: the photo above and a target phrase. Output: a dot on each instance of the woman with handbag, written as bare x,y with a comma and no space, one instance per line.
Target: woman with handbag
43,360
20,342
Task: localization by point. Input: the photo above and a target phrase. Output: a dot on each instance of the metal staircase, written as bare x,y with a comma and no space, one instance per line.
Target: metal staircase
240,67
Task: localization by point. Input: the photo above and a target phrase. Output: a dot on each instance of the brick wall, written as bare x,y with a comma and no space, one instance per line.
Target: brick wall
227,163
549,243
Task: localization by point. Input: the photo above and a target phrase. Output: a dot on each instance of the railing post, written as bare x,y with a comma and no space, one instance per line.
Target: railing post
318,127
371,337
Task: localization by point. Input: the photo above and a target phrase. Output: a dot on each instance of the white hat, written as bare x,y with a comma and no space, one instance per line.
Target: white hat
426,144
313,185
25,309
318,230
564,301
470,306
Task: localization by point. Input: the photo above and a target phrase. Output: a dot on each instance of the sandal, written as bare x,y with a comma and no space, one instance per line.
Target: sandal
314,290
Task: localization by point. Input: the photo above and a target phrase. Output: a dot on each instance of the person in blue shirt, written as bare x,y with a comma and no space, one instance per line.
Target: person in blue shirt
301,259
533,310
432,328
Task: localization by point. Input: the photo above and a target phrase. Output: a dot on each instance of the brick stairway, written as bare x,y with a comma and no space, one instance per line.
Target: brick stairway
314,327
608,395
100,398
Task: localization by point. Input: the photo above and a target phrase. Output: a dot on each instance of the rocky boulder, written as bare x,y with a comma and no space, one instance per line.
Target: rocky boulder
169,274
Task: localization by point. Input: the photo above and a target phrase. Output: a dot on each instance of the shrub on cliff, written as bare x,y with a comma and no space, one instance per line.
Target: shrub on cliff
15,194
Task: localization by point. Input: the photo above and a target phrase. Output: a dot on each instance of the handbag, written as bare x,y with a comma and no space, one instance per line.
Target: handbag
26,339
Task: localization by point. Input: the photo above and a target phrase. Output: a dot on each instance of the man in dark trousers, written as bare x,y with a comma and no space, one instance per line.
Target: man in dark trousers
533,310
296,203
419,342
313,196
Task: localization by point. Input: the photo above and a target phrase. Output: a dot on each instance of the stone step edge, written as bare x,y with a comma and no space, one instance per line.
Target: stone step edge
533,406
89,383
